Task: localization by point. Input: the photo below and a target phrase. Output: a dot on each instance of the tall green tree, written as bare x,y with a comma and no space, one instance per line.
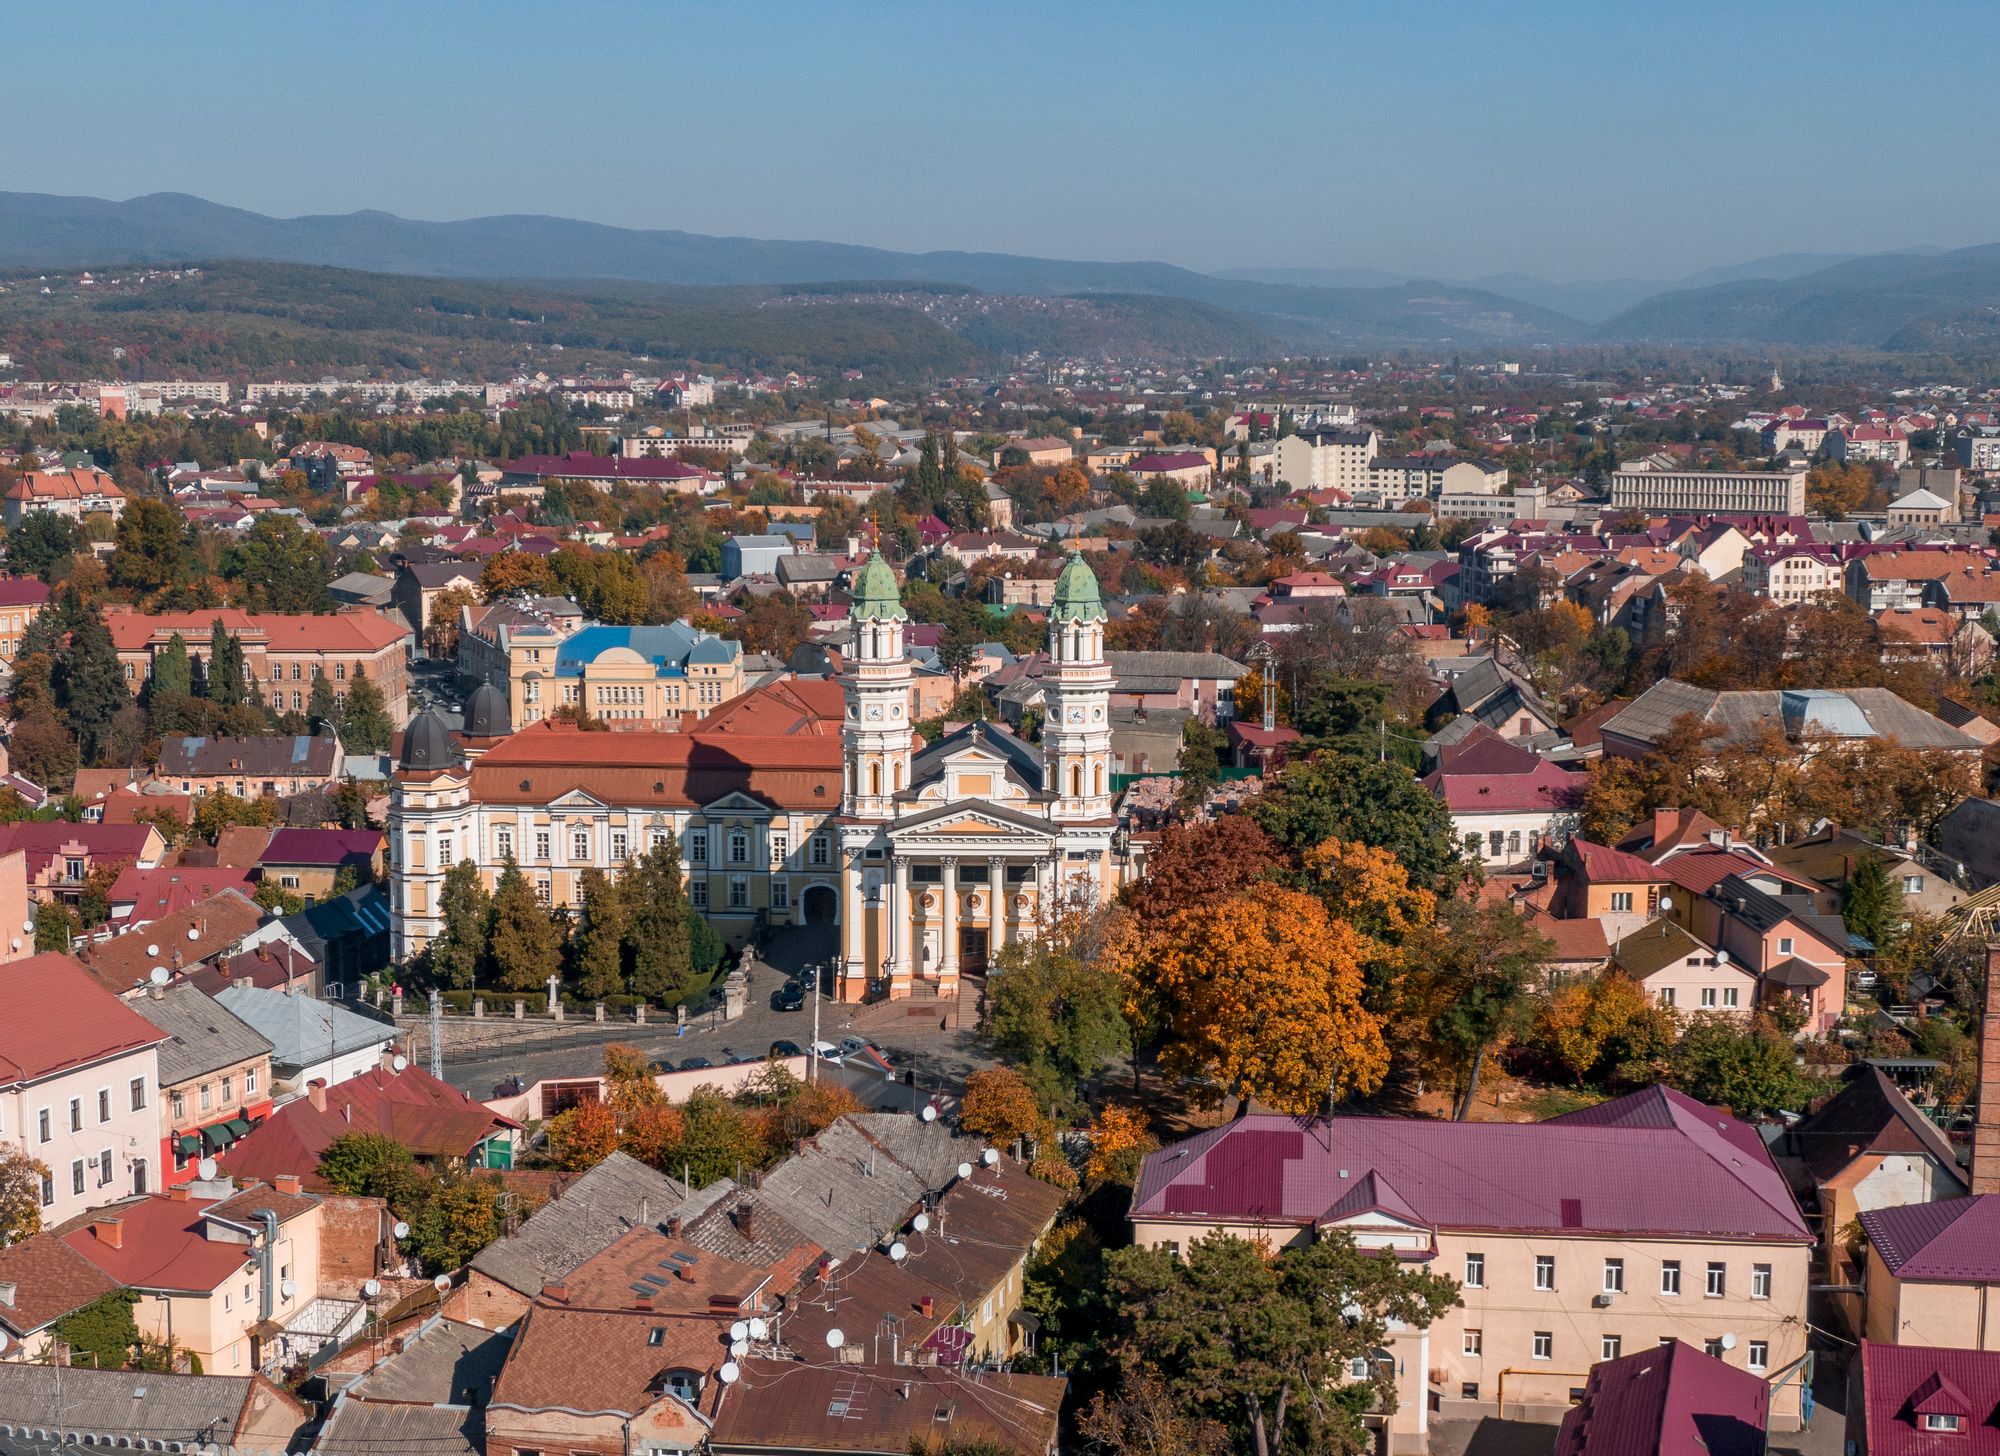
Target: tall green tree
657,930
1264,1346
1343,796
1753,1073
1057,1014
365,725
90,683
323,707
526,946
172,672
459,952
1473,974
226,686
1200,763
152,551
1871,902
599,945
44,544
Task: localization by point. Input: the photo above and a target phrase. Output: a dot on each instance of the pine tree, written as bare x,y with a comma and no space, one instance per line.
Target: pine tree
1871,903
323,708
225,667
458,954
90,683
365,726
600,939
657,932
526,947
171,672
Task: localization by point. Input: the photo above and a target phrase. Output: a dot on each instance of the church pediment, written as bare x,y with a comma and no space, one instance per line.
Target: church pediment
737,802
971,821
578,799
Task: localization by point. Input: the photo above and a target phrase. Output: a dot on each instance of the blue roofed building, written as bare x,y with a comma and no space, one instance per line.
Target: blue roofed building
649,675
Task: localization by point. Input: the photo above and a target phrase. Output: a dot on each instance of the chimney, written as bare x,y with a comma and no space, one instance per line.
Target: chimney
9,1292
178,1195
387,1061
557,1290
110,1231
316,1093
1986,1131
924,1306
671,1226
745,1220
288,1183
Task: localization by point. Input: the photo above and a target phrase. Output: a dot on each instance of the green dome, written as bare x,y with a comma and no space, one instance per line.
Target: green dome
1077,596
876,598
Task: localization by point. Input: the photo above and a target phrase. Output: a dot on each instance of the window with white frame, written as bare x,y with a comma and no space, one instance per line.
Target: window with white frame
781,848
621,847
1729,995
698,893
104,1104
822,851
1707,996
1670,1277
249,1082
739,846
1713,1349
1475,1271
1760,1281
1544,1347
76,1179
1545,1271
781,894
503,843
1760,1355
739,892
1614,1276
697,847
76,1114
1940,1421
1784,945
1610,1347
138,1094
1621,902
542,845
1718,1280
579,846
543,893
43,1129
1474,1343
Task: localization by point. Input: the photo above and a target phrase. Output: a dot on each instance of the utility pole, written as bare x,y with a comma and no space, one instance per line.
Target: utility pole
812,1052
437,1034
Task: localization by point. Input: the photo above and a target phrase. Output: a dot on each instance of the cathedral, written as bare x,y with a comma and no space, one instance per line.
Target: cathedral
811,801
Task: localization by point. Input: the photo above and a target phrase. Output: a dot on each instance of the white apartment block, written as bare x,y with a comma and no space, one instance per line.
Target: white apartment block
1704,492
1327,459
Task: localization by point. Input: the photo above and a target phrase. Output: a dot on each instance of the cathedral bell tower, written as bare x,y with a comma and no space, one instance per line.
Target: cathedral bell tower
876,735
1076,733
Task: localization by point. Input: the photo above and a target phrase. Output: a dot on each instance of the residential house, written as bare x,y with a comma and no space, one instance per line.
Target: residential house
79,1085
1327,459
59,858
1851,714
1959,646
42,1279
436,1122
1794,947
422,1387
1932,1269
1574,1240
218,1270
182,941
264,767
1675,969
310,862
602,472
215,1077
311,1040
1597,882
815,1408
1193,469
1506,803
146,1410
1491,695
75,493
420,584
1969,836
1669,1400
1790,574
1879,580
22,599
1922,1400
1830,855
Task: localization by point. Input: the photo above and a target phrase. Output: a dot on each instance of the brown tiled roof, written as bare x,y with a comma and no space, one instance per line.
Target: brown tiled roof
219,922
59,1018
599,1360
50,1280
683,1279
783,1405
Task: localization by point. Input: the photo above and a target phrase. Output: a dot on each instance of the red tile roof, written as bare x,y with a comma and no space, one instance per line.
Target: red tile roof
59,1017
160,1240
1602,864
360,631
1543,789
170,888
786,1405
429,1118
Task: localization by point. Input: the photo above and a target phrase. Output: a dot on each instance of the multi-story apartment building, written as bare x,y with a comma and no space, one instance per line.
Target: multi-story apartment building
1580,1239
282,652
215,1077
1407,477
1711,492
1327,459
1789,575
1881,581
79,1085
1978,448
77,493
21,601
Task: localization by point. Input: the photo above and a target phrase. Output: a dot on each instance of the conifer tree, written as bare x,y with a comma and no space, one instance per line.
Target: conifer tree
526,947
365,726
600,938
458,953
657,930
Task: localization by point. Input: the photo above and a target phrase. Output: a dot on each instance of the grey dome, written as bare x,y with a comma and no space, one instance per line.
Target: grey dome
486,714
427,743
810,659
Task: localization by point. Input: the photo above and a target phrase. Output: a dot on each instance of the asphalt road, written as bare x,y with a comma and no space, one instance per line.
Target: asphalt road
939,1058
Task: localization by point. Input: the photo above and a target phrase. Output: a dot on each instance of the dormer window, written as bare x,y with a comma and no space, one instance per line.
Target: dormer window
1942,1421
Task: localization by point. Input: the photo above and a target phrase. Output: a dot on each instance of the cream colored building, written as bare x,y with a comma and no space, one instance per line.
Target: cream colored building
543,660
1739,492
1575,1240
1327,459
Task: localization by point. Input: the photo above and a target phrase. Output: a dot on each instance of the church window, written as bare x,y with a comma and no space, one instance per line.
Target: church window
875,779
739,847
580,845
697,846
1075,781
1099,777
822,850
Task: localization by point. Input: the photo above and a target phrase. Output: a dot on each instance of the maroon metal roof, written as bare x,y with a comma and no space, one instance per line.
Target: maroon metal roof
1900,1383
1954,1241
1654,1162
1667,1400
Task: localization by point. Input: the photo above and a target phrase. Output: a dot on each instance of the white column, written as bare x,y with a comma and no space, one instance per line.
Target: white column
996,894
900,932
948,952
853,910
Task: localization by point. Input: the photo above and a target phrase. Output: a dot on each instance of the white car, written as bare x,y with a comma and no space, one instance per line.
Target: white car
826,1051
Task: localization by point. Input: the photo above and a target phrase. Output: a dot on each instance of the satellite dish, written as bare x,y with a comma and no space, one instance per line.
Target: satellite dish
1666,902
205,1168
759,1329
401,1230
965,1170
399,1064
372,1288
990,1157
161,975
738,1330
729,1373
152,950
288,1289
194,933
921,1222
835,1338
441,1283
17,942
28,924
1722,958
3,1339
899,1251
739,1348
1729,1342
929,1114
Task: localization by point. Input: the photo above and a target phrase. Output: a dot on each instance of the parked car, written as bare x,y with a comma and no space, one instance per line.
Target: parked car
696,1064
783,1048
853,1046
826,1051
792,997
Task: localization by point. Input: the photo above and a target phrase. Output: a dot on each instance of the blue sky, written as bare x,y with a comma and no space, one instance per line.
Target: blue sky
1619,138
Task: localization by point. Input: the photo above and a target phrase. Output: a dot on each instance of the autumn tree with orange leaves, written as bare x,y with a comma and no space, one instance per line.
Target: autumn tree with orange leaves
1264,997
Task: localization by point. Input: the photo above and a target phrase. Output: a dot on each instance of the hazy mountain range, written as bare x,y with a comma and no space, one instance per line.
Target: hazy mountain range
1918,299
